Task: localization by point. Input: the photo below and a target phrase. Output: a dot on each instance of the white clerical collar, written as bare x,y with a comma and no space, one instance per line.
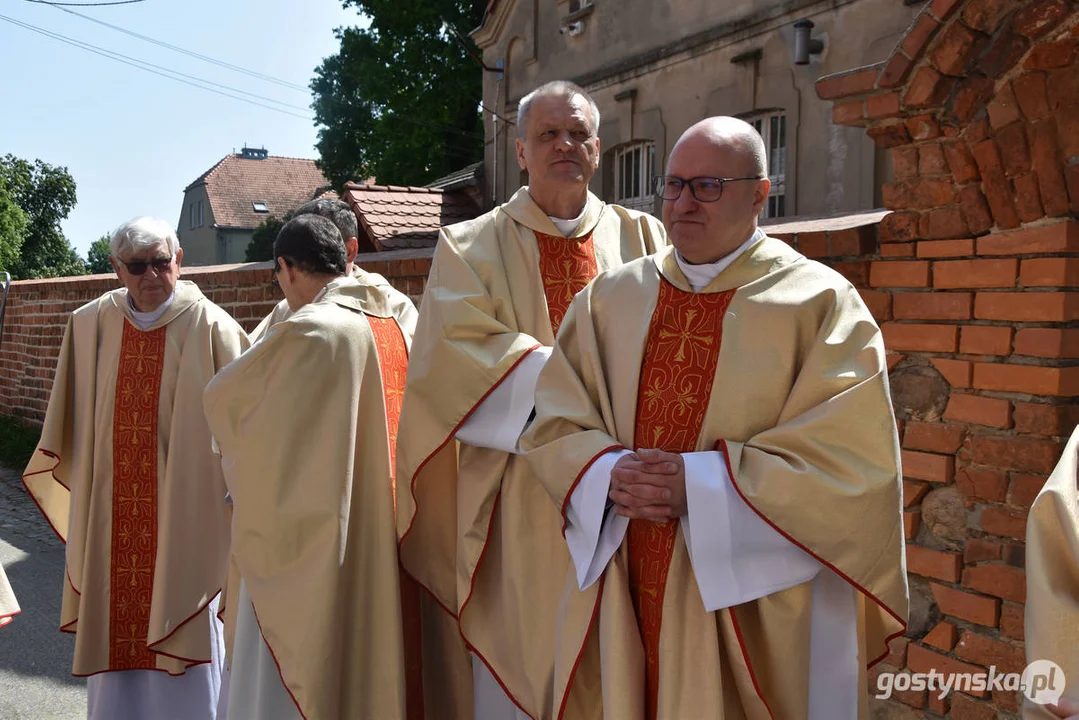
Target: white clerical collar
701,276
568,227
343,281
145,319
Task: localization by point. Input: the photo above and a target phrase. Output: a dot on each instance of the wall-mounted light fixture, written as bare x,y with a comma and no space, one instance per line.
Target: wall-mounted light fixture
804,45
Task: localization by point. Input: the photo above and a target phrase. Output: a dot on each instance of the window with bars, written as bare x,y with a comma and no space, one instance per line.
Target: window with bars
634,166
773,128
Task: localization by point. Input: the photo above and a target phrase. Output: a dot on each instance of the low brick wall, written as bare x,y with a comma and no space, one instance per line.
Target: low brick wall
37,312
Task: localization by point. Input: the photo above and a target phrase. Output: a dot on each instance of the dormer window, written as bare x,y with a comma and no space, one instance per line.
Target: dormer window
260,207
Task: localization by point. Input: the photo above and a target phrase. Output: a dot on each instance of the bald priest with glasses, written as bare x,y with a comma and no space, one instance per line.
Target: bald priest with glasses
126,476
715,426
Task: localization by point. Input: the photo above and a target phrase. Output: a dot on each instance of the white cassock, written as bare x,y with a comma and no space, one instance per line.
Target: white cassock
141,694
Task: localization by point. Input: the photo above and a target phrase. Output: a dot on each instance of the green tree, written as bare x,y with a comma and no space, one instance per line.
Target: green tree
12,230
97,257
261,246
400,101
46,194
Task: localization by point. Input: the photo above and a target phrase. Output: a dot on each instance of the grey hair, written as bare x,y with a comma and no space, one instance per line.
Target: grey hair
555,88
143,233
336,211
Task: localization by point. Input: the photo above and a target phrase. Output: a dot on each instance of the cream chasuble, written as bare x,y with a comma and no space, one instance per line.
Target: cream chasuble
498,290
125,475
305,422
9,606
378,289
779,367
1052,553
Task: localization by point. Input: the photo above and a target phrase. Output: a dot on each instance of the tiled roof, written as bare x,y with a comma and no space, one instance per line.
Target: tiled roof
395,217
282,183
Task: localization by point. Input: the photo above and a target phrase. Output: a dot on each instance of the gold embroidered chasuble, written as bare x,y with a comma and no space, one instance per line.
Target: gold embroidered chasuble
125,475
474,529
1052,565
798,404
304,421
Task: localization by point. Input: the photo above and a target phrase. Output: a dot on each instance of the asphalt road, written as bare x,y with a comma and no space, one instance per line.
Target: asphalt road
35,657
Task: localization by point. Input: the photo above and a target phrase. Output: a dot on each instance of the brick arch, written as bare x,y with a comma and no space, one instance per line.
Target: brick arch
975,282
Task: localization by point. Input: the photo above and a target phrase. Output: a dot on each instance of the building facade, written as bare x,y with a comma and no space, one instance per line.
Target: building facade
655,68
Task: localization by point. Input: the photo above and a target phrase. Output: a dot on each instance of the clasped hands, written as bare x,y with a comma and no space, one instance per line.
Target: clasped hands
649,485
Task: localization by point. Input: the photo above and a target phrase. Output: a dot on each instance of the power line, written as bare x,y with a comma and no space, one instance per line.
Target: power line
93,4
162,71
205,58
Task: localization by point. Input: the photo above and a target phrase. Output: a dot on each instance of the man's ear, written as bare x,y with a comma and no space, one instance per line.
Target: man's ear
352,248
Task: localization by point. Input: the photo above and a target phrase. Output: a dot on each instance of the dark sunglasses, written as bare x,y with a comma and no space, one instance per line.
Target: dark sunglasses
139,267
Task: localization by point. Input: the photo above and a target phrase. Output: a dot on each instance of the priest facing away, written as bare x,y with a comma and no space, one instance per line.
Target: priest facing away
306,422
125,474
715,427
476,529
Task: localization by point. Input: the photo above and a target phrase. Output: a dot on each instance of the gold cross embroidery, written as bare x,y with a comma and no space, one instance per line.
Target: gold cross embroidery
686,334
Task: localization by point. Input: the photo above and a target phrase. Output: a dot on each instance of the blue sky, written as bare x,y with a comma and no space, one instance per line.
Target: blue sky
134,140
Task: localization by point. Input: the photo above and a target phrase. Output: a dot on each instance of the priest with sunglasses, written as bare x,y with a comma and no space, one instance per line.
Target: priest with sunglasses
126,475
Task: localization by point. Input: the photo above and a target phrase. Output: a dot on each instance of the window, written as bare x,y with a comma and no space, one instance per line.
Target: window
575,5
773,128
260,207
191,216
200,213
634,166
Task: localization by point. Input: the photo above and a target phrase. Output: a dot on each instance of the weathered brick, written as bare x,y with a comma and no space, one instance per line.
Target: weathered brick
924,338
932,437
1060,237
1063,88
913,492
959,274
975,210
985,340
1007,49
1030,93
1024,489
1001,377
902,273
846,84
1014,150
932,306
943,9
1004,522
882,106
961,162
986,15
919,35
944,635
895,73
905,162
1027,306
849,113
879,303
889,136
852,241
1023,454
1041,419
966,606
1000,581
970,99
923,127
1052,55
964,708
1028,202
977,551
1047,342
1012,621
927,89
1039,17
957,373
997,190
922,660
912,521
920,194
899,227
928,466
1049,272
942,223
987,652
957,48
931,159
934,564
978,410
946,248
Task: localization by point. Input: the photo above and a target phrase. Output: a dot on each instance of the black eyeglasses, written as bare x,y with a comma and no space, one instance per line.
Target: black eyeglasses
139,267
273,273
704,189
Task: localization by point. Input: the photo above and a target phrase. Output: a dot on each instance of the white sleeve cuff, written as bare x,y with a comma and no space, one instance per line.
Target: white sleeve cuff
501,418
736,555
591,538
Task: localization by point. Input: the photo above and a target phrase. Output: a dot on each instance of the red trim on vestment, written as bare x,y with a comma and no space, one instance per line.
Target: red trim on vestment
51,471
590,463
745,659
721,445
6,619
580,654
167,672
189,618
451,436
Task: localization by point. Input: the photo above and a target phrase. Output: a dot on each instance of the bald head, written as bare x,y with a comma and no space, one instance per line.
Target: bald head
739,138
725,159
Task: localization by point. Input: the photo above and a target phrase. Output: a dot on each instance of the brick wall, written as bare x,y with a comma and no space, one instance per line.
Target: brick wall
974,282
37,314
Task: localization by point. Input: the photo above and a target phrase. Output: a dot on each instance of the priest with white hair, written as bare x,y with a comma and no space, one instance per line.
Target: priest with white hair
126,476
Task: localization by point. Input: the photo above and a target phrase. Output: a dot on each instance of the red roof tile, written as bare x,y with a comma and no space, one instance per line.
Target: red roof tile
282,183
397,217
